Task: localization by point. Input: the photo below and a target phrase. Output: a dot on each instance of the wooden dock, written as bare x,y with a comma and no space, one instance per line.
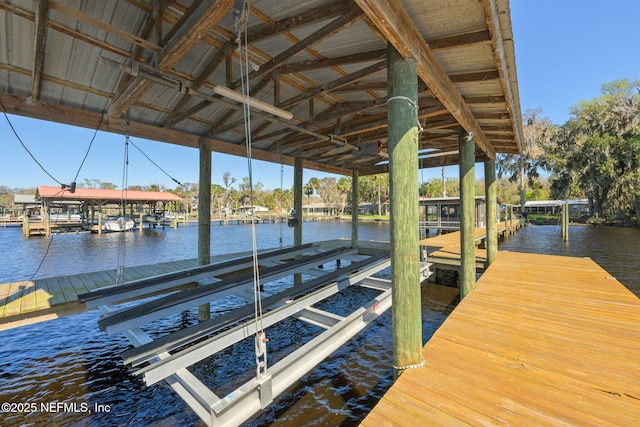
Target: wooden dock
542,341
27,302
444,250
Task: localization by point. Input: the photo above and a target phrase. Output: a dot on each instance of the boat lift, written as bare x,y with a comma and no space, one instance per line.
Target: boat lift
168,357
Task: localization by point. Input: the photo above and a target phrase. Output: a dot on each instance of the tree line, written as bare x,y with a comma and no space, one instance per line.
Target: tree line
595,155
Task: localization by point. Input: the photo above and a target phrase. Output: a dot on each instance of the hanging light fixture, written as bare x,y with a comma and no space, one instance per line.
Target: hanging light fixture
252,102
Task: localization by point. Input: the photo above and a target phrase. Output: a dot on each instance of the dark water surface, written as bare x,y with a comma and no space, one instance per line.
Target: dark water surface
71,366
616,249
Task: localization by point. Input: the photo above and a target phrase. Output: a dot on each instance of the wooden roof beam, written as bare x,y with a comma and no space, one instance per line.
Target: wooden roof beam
355,58
295,22
347,18
470,77
183,36
65,30
459,40
179,112
81,17
436,44
493,21
42,11
392,20
324,89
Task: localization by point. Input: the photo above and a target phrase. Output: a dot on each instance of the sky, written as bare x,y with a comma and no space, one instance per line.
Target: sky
565,51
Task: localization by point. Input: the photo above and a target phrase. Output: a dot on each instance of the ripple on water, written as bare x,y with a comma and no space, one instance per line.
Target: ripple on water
70,360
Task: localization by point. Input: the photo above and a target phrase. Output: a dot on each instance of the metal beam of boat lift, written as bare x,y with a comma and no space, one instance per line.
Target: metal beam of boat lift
219,333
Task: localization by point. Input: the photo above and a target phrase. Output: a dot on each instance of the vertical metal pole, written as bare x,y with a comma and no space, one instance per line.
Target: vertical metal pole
204,220
467,214
402,83
491,202
354,208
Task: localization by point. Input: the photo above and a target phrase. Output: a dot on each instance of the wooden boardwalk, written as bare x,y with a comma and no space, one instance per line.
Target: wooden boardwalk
542,341
444,250
27,302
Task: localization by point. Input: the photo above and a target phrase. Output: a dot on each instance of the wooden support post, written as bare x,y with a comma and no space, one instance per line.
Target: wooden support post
141,222
297,200
354,209
204,220
402,83
46,218
25,223
491,201
297,206
565,222
467,213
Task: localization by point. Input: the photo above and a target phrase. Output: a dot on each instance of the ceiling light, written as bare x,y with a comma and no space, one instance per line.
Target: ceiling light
252,102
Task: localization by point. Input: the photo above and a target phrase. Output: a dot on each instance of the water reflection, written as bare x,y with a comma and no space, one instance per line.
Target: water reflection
65,254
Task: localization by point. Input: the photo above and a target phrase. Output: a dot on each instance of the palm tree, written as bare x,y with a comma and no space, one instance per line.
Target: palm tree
308,191
344,188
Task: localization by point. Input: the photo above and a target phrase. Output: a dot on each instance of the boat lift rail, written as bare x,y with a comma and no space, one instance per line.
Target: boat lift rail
138,355
168,358
175,303
165,282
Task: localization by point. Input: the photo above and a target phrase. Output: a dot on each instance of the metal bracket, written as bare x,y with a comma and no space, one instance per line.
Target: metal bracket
265,391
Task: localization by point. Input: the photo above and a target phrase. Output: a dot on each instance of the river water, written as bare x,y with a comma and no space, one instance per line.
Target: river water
69,366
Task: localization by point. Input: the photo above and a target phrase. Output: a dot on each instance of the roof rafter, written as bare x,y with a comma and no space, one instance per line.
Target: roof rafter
42,10
295,22
185,34
326,88
309,65
493,21
349,16
397,26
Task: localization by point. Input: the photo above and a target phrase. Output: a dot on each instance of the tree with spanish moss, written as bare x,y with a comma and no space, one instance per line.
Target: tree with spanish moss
601,148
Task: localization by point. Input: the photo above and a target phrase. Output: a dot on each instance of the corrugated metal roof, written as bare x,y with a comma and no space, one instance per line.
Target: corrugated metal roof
24,198
105,195
316,59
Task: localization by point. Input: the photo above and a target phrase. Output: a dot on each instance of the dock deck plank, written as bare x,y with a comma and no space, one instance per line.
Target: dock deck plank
28,297
55,291
25,302
12,303
41,298
542,340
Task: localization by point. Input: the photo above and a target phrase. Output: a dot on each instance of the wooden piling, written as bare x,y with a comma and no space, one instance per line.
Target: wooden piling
204,218
491,201
467,215
354,209
297,206
402,83
565,222
297,200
